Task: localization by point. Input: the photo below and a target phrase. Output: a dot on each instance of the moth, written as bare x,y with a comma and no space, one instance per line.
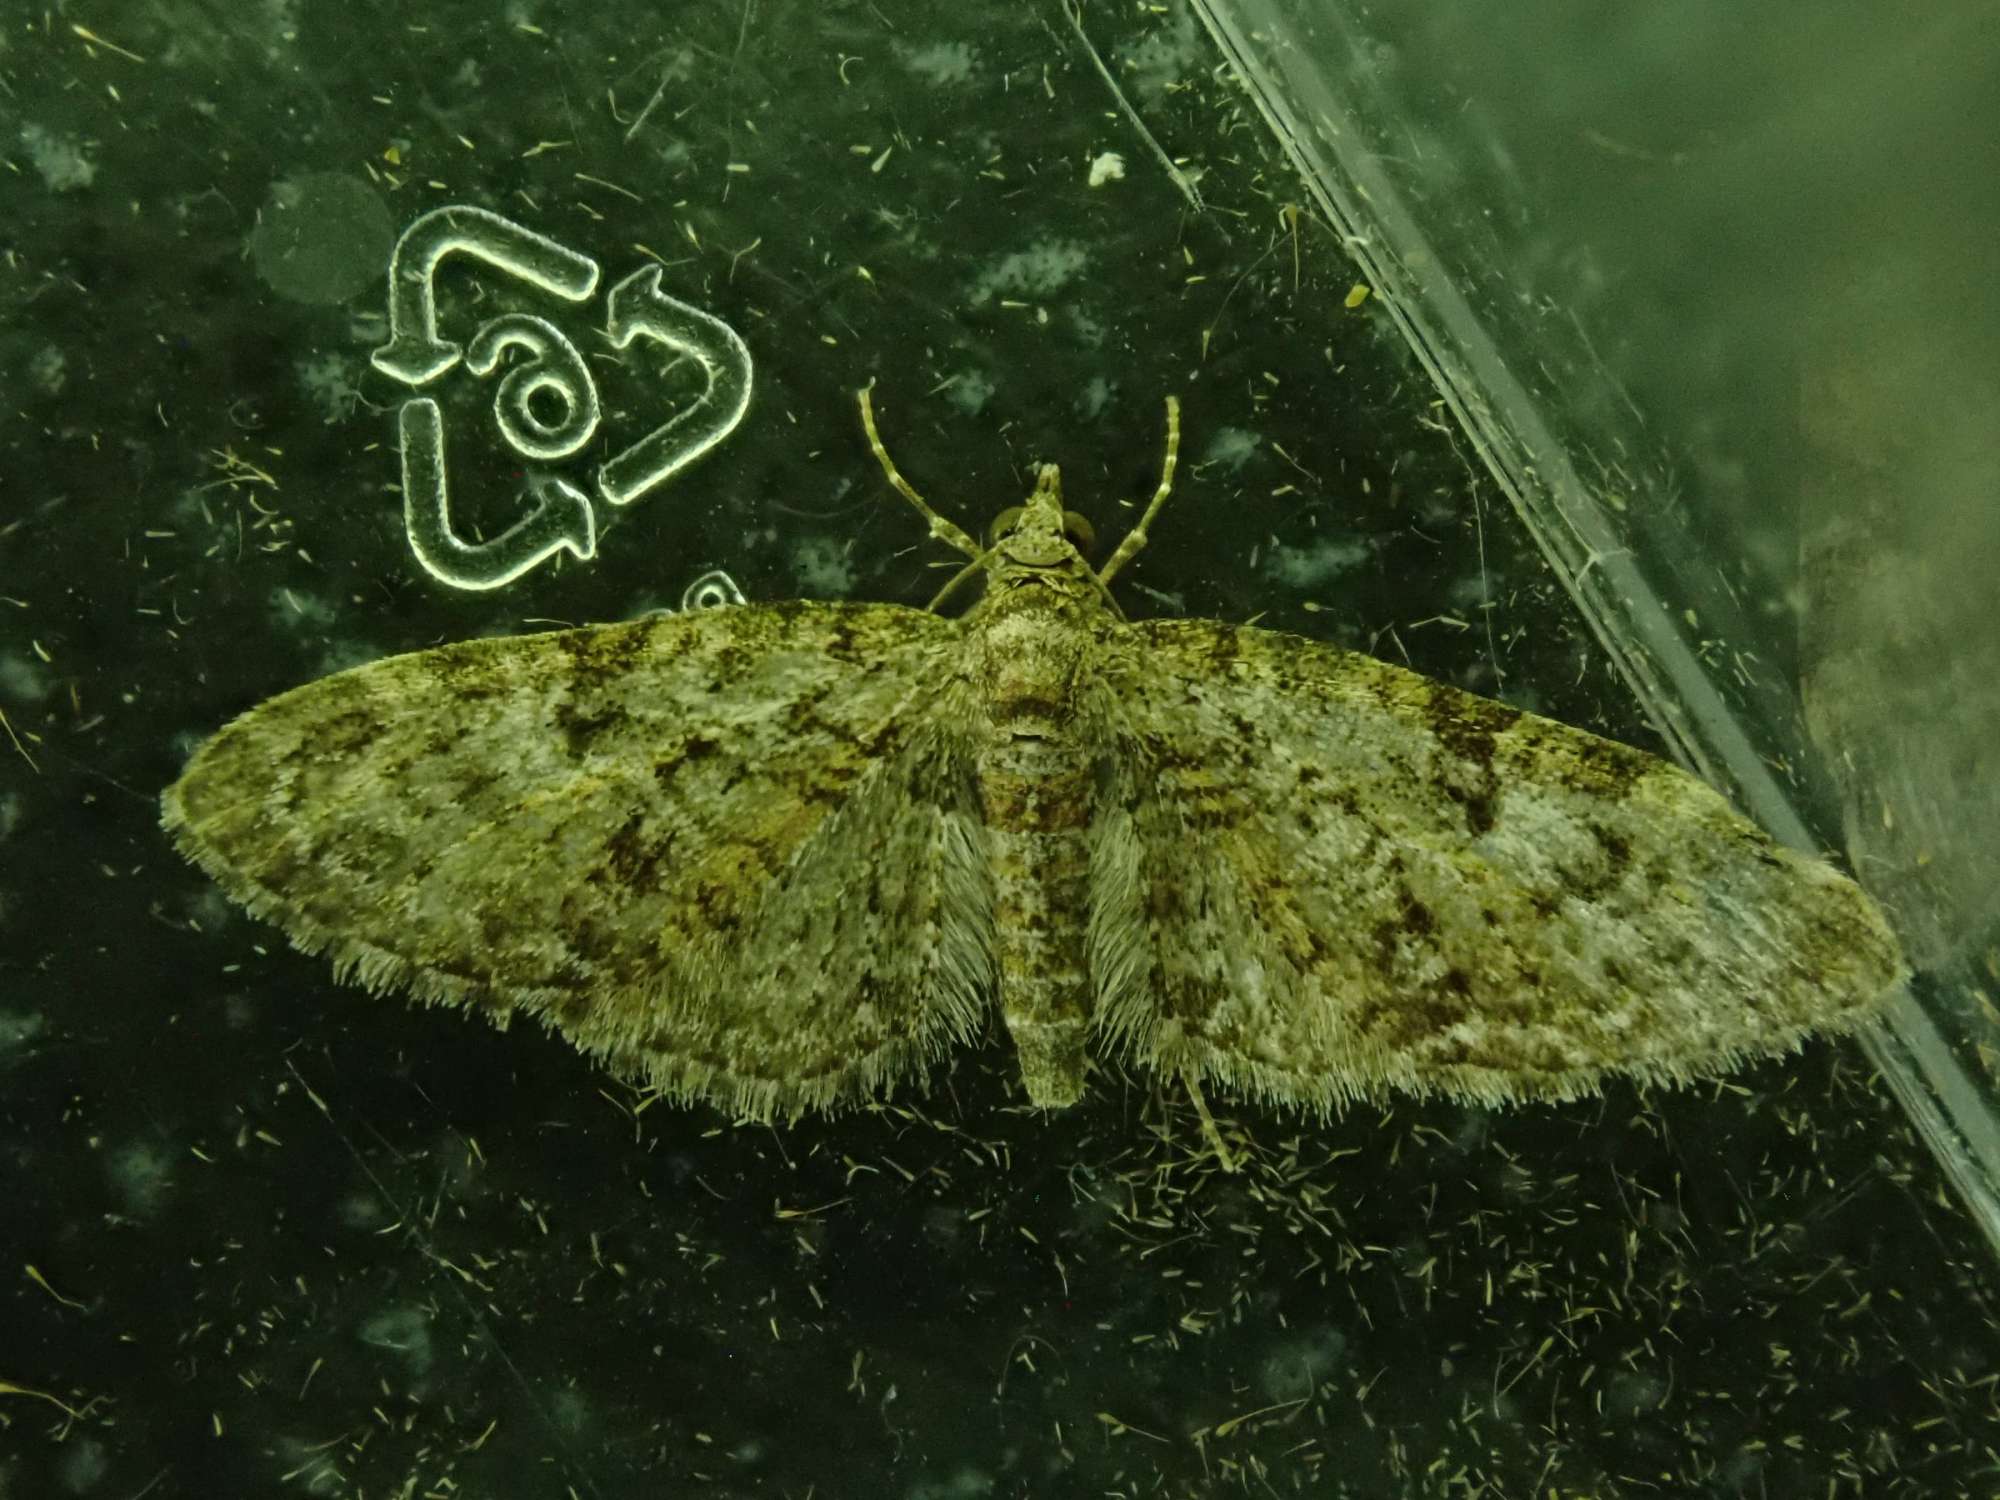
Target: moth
782,857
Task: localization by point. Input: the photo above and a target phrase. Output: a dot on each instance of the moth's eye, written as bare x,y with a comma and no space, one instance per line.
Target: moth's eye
1082,535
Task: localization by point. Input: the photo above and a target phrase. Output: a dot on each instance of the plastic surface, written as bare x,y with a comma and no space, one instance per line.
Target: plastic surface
265,1234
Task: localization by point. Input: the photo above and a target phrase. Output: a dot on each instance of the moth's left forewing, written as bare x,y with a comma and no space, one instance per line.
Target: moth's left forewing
731,853
1317,876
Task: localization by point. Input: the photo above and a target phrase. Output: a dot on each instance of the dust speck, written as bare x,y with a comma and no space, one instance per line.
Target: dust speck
402,1330
322,238
823,568
1041,270
1316,563
62,161
141,1175
1231,447
941,64
48,370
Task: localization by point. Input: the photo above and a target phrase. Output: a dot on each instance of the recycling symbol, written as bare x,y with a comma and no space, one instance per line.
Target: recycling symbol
545,403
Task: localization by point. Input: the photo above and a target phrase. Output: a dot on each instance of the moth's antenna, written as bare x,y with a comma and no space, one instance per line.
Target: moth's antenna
942,529
1136,537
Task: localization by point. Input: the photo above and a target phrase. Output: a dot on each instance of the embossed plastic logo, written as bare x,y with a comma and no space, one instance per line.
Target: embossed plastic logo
545,405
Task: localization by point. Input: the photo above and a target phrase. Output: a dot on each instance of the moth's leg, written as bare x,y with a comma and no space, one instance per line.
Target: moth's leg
1106,597
1136,537
1208,1126
942,529
951,586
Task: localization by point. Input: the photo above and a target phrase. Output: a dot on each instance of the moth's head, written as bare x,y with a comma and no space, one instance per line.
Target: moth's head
1039,533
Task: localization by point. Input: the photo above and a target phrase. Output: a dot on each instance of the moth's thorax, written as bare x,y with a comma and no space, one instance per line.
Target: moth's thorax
1030,648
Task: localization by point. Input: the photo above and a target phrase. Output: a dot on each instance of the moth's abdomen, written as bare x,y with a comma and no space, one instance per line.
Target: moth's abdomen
1035,794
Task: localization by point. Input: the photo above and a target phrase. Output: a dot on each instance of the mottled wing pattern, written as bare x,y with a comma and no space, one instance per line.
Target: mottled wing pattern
1317,877
734,853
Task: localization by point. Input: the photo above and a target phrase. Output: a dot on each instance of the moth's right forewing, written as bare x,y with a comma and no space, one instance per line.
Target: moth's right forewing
1318,877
